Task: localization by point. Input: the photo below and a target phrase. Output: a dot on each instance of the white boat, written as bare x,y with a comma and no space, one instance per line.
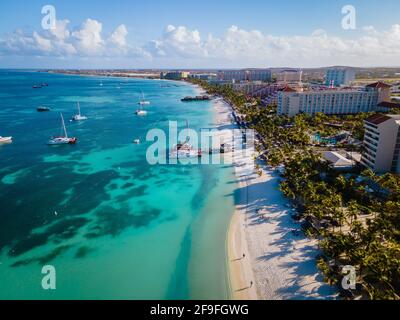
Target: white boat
62,139
79,117
143,101
5,139
185,150
141,112
136,141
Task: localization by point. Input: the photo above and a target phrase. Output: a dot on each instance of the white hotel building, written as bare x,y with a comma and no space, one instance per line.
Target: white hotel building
382,143
337,77
333,101
238,76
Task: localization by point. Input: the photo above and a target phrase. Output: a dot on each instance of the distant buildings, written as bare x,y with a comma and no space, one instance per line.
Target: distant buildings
334,101
336,77
382,143
204,76
291,78
174,75
236,76
264,75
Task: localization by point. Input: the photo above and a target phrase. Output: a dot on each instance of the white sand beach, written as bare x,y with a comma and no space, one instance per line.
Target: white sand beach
277,264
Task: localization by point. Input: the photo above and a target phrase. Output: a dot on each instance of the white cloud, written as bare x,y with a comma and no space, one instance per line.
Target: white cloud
118,37
178,42
239,47
86,41
182,46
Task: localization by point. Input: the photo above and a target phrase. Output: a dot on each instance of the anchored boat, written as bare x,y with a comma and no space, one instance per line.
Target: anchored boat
185,150
79,117
43,109
62,139
143,101
5,139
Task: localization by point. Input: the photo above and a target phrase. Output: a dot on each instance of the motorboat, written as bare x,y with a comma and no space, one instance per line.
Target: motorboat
43,109
5,139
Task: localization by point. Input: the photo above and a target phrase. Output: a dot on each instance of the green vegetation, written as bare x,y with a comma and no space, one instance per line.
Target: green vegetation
355,216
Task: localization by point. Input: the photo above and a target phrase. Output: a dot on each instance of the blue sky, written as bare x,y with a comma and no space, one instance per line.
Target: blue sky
266,33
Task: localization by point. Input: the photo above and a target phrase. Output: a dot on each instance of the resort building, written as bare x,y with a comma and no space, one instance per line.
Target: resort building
337,161
336,77
382,143
232,75
264,75
174,75
291,78
333,101
204,76
237,76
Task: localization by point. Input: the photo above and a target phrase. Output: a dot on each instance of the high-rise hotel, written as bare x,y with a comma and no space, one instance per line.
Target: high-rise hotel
382,143
238,76
334,101
336,77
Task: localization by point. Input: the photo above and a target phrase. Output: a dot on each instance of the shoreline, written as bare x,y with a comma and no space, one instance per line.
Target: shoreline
280,265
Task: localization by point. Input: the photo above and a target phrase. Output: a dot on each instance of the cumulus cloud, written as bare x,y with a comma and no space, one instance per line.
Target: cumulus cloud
237,47
86,41
178,41
254,48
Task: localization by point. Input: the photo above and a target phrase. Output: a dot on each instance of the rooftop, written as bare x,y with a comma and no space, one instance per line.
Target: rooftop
378,85
288,89
377,119
389,105
336,159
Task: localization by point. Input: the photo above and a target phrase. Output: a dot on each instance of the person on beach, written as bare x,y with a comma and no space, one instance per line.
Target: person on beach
251,284
244,255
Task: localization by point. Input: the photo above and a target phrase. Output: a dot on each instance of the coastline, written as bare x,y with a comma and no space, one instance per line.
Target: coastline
280,265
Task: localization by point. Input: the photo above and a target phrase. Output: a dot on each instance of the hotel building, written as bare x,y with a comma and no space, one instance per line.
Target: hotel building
334,101
264,75
236,76
336,77
291,78
174,75
382,143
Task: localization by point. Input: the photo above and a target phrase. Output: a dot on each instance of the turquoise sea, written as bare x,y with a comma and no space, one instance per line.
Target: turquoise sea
113,226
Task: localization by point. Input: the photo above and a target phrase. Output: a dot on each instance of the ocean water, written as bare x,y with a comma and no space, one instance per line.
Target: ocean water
113,226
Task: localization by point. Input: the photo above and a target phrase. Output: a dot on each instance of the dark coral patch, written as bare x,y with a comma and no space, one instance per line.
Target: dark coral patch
44,259
61,230
82,252
111,222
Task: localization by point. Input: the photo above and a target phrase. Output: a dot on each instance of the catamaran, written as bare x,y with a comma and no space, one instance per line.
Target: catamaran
143,101
79,117
185,149
5,139
62,139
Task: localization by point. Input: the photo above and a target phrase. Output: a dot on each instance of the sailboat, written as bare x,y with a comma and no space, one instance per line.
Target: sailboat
143,101
62,139
185,149
79,117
